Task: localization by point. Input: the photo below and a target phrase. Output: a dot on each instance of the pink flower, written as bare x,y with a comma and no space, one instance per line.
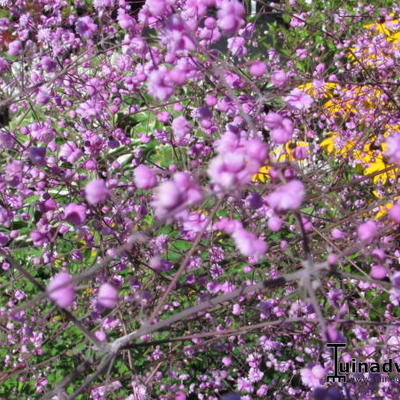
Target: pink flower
159,85
230,16
61,290
279,78
287,197
281,128
180,396
125,21
301,53
378,272
299,99
275,224
103,3
248,243
236,162
86,27
312,376
337,234
108,295
237,46
96,191
367,231
70,152
182,189
145,177
157,7
38,238
298,20
75,214
15,48
257,68
393,148
48,64
181,129
394,213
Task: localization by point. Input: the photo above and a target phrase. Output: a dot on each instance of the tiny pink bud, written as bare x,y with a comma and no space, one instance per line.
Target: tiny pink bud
337,234
332,259
61,290
378,272
108,295
96,191
145,177
394,213
367,231
275,224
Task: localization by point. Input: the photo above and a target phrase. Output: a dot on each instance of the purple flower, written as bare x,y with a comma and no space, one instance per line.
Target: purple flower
182,189
177,36
38,238
159,85
394,213
181,129
237,46
75,214
279,78
42,97
378,272
157,7
180,396
86,27
103,3
244,385
396,280
230,16
393,148
248,243
70,152
125,21
254,200
236,162
37,155
312,376
337,234
61,289
299,99
297,20
15,48
287,197
275,224
48,64
3,239
4,65
257,68
96,191
145,177
108,295
281,128
367,231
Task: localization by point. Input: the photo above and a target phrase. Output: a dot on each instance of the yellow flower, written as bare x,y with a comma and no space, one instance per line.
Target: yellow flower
279,154
385,28
262,175
326,91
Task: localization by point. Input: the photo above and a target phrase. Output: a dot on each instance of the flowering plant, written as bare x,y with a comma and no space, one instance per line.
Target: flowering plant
196,199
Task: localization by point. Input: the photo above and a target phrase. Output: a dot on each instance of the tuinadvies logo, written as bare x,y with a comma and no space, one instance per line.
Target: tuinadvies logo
343,369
